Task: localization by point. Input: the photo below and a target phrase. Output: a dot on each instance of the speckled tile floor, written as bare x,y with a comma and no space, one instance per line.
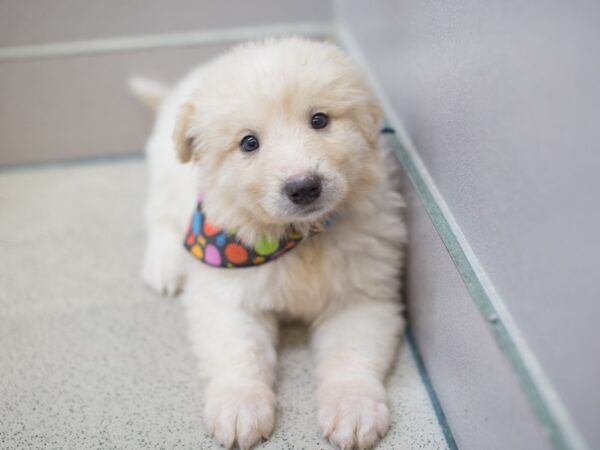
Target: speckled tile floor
90,359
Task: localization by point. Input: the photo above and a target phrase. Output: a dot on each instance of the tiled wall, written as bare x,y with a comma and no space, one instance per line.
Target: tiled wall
77,105
35,22
502,102
478,391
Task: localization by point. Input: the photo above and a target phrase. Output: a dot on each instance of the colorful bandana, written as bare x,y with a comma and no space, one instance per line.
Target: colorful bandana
219,248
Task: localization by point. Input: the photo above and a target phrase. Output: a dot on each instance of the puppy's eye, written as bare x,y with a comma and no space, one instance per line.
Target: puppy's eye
319,120
249,144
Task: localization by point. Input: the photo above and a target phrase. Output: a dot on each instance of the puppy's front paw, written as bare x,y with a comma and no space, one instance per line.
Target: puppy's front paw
242,415
163,267
353,415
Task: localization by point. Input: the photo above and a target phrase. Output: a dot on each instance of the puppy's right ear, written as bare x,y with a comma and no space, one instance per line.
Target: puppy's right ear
184,142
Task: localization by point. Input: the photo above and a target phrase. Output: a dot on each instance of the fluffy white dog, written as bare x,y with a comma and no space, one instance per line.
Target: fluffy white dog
279,140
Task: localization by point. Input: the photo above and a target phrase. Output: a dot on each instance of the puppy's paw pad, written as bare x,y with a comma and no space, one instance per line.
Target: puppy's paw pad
163,267
240,415
353,415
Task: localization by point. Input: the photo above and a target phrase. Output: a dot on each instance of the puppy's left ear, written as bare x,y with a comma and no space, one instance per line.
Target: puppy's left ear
184,142
369,119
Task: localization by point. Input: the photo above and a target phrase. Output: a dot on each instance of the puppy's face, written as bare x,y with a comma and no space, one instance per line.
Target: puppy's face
282,132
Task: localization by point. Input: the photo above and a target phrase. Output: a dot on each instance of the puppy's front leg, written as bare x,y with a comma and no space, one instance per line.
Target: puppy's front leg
354,350
237,354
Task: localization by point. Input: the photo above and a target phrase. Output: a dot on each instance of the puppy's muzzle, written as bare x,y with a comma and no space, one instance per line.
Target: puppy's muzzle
304,190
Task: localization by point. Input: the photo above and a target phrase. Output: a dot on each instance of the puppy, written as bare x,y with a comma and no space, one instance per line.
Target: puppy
272,150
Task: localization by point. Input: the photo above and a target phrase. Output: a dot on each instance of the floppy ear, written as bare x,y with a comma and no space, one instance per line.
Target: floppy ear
370,121
184,143
367,114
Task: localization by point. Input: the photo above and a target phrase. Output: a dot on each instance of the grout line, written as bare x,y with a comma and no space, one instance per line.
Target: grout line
73,162
161,41
437,406
542,397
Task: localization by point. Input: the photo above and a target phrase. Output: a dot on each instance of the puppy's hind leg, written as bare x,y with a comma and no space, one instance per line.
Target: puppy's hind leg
170,205
163,267
354,350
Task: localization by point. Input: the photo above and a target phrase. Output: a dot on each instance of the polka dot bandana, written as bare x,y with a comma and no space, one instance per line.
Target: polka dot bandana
220,248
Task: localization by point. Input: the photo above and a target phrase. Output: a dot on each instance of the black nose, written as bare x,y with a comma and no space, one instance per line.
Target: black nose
303,191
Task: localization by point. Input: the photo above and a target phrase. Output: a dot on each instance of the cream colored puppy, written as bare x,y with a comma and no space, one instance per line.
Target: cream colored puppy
279,137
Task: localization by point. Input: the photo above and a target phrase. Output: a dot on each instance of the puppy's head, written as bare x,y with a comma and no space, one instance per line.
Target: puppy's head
282,132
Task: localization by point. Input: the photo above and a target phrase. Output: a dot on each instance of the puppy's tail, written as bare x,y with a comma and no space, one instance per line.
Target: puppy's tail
151,93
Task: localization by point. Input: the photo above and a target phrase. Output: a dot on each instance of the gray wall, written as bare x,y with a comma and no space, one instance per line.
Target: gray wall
77,105
502,101
35,22
478,392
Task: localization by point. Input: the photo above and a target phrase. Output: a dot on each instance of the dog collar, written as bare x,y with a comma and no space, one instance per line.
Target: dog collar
221,248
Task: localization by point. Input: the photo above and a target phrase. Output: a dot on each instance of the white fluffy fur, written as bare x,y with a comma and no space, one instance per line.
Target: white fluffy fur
344,282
